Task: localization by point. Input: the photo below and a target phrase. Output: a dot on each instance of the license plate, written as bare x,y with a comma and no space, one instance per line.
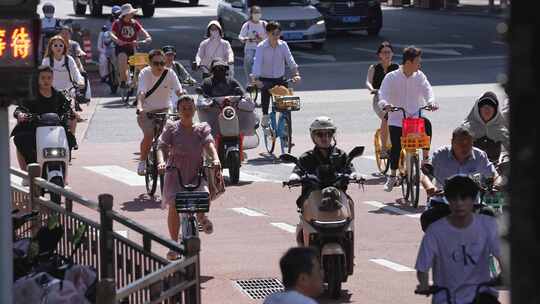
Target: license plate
293,36
351,19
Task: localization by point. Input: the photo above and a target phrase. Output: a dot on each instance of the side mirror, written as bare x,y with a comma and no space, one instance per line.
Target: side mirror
355,152
237,4
199,91
288,158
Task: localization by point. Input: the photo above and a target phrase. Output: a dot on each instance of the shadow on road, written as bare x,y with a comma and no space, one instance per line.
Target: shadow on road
141,203
345,298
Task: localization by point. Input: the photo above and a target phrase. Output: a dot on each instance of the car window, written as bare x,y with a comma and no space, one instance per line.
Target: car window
278,2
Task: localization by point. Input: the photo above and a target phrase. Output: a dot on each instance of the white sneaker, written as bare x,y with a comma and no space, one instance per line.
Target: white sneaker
141,169
390,183
265,121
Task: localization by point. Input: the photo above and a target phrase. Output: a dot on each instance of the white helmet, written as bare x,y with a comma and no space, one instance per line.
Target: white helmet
322,123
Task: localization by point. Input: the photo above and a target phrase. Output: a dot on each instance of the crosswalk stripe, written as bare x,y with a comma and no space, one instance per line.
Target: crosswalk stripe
248,211
394,266
392,209
284,226
119,174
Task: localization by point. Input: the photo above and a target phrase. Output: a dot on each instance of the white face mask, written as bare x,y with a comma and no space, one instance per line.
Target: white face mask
256,17
214,34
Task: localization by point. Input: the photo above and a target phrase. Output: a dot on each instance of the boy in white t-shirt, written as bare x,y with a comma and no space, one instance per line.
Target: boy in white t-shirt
459,248
251,34
302,278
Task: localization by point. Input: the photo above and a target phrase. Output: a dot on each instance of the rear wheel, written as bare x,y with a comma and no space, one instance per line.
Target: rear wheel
382,163
148,9
234,167
79,9
95,9
415,180
151,175
59,181
286,135
334,271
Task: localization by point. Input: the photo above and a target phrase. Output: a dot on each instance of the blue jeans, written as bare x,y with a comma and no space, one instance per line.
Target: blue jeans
249,55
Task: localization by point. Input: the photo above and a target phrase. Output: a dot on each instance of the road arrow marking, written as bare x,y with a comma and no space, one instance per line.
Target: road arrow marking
394,266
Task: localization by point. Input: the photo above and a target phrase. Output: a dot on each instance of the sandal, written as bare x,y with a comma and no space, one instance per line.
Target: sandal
172,255
207,226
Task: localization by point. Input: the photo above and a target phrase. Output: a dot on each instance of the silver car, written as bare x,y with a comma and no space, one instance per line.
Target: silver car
300,21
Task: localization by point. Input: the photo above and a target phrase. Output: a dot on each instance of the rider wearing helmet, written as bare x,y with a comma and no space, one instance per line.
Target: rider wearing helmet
324,157
49,24
177,67
220,84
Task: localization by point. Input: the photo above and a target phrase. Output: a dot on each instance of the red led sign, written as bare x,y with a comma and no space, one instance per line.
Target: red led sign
16,43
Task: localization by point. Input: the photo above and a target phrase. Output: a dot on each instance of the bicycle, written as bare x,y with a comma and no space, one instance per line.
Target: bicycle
383,163
413,140
434,289
136,63
280,127
187,203
152,176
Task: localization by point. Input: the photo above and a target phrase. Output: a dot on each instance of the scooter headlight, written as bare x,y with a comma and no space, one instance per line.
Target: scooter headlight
54,152
229,113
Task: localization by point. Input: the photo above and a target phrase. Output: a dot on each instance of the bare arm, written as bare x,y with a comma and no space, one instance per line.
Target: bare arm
210,150
369,79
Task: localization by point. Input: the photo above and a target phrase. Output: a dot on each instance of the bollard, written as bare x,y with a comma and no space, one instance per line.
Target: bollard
106,245
106,291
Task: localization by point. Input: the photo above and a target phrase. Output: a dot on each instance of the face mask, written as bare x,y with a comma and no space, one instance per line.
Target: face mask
256,17
49,16
220,74
214,34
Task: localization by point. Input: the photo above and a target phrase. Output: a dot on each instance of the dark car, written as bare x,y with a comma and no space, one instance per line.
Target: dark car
351,15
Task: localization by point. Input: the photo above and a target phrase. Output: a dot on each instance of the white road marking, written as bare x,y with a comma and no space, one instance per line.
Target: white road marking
285,226
391,8
155,29
372,157
245,177
353,63
392,209
120,174
183,27
392,265
247,211
314,56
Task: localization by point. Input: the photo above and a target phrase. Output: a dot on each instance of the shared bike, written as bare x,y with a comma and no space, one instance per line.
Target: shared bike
136,63
413,140
280,125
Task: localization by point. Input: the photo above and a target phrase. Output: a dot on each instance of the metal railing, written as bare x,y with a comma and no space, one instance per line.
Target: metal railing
127,271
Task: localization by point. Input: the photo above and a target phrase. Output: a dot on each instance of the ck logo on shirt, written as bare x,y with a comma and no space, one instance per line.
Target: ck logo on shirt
461,255
128,32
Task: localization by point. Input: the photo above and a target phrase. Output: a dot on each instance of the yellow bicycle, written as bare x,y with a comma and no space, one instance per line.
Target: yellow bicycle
136,63
383,163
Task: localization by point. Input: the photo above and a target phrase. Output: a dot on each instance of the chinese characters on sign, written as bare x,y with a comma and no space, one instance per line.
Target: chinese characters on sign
16,43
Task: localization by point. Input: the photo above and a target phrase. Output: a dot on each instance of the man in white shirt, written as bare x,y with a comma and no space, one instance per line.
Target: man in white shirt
302,278
408,88
153,98
459,247
269,67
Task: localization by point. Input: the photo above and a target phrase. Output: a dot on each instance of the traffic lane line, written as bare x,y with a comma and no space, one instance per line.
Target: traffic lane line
248,212
394,266
284,226
392,209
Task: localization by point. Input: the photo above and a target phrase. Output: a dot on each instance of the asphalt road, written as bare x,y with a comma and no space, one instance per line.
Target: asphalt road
463,58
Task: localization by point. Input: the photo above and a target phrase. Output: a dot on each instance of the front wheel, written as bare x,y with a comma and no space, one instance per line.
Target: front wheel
286,134
269,138
415,180
151,175
334,272
59,181
234,167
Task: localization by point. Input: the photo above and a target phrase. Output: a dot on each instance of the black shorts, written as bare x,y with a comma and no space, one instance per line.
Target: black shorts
127,49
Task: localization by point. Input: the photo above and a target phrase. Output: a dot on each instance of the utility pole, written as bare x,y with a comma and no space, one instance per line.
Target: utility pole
19,32
524,91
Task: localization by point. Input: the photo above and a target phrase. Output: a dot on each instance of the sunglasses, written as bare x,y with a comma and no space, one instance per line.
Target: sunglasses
58,45
158,63
276,33
324,133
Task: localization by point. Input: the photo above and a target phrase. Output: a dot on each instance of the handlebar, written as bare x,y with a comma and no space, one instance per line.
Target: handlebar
427,108
313,179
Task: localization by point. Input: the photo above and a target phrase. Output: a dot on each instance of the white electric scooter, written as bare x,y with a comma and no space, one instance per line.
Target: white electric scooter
52,150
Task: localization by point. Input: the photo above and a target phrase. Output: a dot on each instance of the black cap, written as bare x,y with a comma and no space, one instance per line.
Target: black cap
219,62
168,49
488,99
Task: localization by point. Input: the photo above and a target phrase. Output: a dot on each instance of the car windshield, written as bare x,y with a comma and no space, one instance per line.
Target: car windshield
278,2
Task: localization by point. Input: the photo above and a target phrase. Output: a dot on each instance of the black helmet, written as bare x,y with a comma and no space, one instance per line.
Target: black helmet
168,49
48,8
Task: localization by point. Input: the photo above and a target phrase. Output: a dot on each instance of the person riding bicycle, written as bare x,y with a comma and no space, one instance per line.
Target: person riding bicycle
177,67
408,88
124,33
375,76
214,46
156,85
251,34
325,158
186,142
488,127
49,24
271,56
458,248
48,100
461,157
75,51
105,45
